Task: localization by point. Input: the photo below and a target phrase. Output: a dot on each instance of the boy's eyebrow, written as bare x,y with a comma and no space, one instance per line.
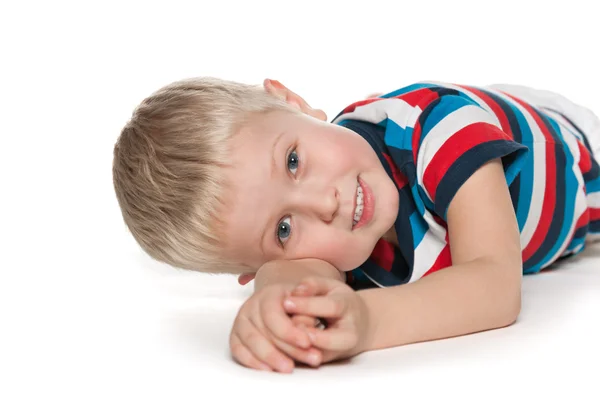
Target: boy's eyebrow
273,162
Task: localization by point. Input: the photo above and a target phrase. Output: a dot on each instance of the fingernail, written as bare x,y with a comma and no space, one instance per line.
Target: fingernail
313,359
284,366
289,304
312,337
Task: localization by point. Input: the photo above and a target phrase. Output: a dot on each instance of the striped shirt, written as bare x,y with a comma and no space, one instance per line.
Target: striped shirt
431,137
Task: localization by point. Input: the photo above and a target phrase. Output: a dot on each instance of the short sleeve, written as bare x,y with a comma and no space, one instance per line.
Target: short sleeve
457,137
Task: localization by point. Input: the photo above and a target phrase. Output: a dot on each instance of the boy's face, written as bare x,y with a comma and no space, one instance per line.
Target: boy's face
303,205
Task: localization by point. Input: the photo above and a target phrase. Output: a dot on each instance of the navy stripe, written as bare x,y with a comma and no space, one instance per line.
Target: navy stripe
379,274
403,268
581,232
559,207
466,165
595,226
442,91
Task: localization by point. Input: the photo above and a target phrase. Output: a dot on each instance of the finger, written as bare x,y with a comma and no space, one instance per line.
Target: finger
263,349
280,324
315,286
304,321
316,306
312,356
244,356
333,339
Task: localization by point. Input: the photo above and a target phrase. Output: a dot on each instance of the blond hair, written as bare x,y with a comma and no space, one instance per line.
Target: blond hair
168,168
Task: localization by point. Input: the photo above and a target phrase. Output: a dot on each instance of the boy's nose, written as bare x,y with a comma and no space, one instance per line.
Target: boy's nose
323,202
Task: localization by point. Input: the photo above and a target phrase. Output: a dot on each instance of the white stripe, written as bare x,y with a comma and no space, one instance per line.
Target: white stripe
425,254
396,110
445,129
593,200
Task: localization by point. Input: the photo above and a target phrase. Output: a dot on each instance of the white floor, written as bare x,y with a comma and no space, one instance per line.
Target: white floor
158,332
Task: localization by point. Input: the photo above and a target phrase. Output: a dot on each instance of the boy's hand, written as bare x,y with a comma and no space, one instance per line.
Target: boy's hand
265,337
343,309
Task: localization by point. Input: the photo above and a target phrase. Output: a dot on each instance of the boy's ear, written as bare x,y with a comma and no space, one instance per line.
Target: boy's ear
245,278
277,89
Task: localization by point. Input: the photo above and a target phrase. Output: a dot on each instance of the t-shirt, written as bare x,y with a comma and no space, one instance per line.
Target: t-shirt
431,137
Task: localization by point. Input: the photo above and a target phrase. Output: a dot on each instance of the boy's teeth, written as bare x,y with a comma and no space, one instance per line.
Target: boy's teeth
359,205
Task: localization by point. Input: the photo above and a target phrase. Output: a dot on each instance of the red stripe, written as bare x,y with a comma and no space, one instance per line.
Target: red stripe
416,97
585,162
583,220
399,177
594,214
495,108
453,148
383,254
416,138
443,260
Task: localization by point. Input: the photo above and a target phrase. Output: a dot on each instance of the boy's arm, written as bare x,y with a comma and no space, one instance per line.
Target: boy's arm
293,271
481,291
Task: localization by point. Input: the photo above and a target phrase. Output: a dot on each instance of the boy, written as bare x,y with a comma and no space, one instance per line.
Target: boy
356,222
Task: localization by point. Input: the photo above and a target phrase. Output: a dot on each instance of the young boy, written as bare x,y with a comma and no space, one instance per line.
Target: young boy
355,223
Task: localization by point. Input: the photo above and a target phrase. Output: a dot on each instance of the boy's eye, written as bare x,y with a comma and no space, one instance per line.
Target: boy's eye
292,162
283,230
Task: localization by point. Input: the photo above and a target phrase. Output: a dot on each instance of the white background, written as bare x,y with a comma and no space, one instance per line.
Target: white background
84,314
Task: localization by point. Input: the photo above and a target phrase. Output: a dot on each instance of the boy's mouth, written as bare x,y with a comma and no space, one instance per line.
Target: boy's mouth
364,203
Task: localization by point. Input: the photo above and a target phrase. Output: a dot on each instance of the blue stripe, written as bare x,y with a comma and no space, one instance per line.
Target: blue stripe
407,89
595,227
575,243
398,137
593,186
419,227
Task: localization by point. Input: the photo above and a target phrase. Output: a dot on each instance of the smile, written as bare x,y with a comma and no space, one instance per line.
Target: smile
364,205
